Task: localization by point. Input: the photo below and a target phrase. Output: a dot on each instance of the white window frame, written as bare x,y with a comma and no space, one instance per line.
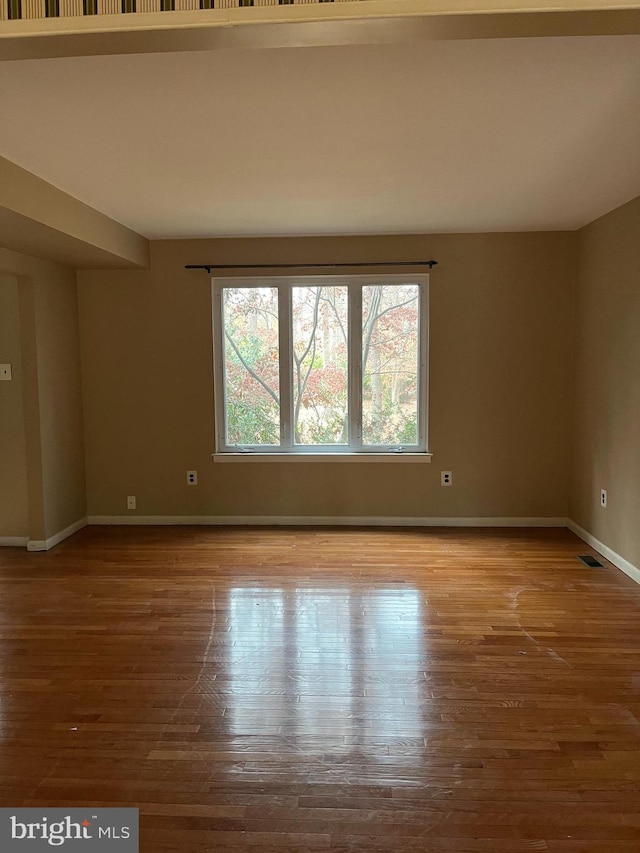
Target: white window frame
287,447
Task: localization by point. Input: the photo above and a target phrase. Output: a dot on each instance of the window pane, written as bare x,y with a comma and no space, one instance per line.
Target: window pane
252,383
320,356
390,343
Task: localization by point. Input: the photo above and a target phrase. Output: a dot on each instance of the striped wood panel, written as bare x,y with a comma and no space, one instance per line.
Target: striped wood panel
33,9
30,9
70,8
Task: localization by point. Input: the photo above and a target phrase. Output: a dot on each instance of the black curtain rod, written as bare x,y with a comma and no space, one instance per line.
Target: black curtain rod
209,267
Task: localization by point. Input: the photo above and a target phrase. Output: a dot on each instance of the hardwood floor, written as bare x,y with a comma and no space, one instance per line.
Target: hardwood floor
353,691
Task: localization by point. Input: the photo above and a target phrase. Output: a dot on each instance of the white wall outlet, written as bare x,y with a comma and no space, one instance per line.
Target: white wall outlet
192,478
603,497
5,372
131,501
446,478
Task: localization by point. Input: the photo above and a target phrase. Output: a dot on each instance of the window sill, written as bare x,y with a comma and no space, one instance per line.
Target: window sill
322,457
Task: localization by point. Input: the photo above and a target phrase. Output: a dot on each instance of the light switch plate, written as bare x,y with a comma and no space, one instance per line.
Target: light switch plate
5,372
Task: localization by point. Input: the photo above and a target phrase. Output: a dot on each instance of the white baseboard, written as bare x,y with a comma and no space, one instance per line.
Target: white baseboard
47,544
608,553
324,520
13,541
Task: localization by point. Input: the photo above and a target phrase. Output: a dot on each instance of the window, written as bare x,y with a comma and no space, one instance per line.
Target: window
321,364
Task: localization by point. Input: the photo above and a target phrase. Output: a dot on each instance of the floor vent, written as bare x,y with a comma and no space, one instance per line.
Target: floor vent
590,561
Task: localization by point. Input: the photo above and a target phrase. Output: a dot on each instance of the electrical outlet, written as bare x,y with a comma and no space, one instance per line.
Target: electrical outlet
5,372
131,501
446,478
192,478
603,497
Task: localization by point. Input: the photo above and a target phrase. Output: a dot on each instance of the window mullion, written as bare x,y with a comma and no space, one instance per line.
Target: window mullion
355,365
285,331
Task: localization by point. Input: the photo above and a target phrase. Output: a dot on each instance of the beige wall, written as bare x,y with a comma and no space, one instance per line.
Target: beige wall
53,422
61,422
501,338
606,424
14,511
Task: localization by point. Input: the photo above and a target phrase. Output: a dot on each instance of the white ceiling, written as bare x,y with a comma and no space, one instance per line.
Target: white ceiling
522,134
